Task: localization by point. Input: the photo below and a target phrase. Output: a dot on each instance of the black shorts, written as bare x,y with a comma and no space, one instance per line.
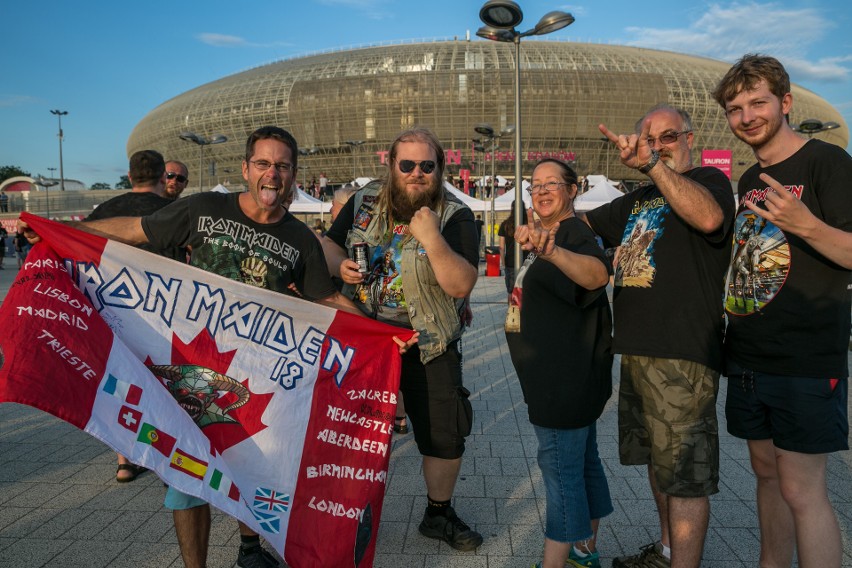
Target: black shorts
799,414
437,402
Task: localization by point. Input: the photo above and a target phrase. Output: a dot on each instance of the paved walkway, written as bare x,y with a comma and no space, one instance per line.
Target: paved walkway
60,505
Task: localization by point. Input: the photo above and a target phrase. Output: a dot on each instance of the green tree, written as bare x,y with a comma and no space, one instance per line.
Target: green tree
7,172
123,183
100,185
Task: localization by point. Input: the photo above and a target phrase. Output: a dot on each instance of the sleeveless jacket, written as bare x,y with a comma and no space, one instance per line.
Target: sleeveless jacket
433,312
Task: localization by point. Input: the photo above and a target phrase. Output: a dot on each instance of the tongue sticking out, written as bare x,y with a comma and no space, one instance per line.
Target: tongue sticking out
268,195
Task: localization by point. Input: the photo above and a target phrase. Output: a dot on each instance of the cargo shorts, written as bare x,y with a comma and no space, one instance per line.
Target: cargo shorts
667,418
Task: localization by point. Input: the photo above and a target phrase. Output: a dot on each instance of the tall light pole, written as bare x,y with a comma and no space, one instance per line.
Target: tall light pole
59,114
51,170
202,142
46,184
811,126
354,144
492,137
306,152
500,18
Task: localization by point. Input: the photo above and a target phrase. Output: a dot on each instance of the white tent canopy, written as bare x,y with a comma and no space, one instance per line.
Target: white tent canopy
504,202
472,202
598,195
220,189
304,203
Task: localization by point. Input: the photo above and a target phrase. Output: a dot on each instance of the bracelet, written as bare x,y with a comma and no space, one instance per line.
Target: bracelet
655,157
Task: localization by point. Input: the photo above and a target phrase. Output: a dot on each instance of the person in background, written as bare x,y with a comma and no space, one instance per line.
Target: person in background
788,323
22,247
177,177
4,234
563,358
147,173
341,196
506,232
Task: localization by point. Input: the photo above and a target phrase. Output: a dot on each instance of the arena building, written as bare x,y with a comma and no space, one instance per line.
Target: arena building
344,107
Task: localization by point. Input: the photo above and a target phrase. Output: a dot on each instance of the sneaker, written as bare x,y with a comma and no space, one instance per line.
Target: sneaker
451,529
651,556
590,560
256,557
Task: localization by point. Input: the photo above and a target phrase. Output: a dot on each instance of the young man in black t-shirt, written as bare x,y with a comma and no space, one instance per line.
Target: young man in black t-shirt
788,314
672,238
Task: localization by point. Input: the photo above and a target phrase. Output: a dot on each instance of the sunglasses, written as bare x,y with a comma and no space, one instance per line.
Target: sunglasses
407,166
172,175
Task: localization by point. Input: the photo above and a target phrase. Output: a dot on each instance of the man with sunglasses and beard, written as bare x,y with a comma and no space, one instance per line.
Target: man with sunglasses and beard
673,237
429,238
177,176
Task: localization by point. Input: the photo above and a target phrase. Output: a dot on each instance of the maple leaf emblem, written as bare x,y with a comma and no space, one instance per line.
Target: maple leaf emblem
225,409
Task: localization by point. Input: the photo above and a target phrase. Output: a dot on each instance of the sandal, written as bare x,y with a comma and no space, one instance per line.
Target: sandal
134,470
400,426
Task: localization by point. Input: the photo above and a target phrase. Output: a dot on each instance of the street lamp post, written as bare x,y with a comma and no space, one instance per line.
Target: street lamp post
811,126
51,170
306,152
354,144
59,114
500,18
46,184
202,142
492,137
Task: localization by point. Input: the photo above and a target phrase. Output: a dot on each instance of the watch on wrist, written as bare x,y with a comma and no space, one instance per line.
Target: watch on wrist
655,157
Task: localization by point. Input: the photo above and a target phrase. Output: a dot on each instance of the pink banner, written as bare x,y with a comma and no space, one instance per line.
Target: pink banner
718,159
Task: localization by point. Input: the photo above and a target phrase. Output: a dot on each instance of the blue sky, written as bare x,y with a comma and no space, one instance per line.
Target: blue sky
110,63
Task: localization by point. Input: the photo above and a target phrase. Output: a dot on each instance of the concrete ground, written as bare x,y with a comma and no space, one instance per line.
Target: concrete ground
60,505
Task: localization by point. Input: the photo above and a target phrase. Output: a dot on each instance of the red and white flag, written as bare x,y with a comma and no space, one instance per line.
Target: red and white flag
277,411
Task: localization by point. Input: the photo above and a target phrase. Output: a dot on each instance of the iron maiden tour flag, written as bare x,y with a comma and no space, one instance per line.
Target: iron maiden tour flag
277,411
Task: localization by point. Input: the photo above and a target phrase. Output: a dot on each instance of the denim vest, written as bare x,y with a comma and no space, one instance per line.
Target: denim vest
433,312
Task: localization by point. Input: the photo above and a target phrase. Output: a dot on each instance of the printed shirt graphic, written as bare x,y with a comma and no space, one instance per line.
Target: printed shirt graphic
760,262
635,263
788,306
227,392
284,256
669,277
382,287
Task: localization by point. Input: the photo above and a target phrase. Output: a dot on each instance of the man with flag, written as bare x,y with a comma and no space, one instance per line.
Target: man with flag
248,237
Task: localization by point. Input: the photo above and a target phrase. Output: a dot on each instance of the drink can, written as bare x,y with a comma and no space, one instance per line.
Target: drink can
359,255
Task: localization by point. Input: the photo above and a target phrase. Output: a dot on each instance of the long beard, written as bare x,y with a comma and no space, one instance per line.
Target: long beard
404,205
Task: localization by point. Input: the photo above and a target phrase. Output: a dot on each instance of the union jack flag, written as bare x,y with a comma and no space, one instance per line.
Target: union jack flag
271,500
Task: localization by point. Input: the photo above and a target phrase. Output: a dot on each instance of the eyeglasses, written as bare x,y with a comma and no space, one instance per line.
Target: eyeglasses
548,187
407,166
668,137
172,175
263,165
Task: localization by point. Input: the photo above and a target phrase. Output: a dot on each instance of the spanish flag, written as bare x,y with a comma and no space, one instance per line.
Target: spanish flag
191,466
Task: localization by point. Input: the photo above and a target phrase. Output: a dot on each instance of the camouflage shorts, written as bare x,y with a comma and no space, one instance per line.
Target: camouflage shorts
667,418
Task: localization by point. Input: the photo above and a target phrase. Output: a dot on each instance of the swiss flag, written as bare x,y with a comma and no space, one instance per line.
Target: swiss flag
130,418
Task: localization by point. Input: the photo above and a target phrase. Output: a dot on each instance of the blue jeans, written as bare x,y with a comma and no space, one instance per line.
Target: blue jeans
574,482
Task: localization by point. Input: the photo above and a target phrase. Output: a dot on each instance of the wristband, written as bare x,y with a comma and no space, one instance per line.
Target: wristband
655,157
